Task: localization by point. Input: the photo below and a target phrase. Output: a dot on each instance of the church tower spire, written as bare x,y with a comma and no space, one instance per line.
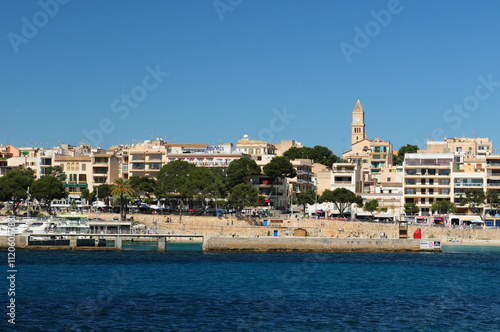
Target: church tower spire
358,124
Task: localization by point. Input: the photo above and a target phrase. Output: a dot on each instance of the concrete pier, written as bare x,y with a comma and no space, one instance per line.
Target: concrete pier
88,242
118,243
162,244
311,244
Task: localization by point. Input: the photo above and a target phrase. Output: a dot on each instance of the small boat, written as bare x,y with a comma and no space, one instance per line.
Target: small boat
12,226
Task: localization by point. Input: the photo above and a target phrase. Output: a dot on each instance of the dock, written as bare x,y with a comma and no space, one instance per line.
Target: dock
318,244
87,241
227,244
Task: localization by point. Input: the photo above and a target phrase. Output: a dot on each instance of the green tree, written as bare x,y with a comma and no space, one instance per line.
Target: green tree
444,207
143,187
239,170
46,189
318,154
473,199
207,183
14,186
411,209
104,191
122,189
172,180
400,157
342,198
309,197
371,206
492,198
56,171
243,195
87,195
279,168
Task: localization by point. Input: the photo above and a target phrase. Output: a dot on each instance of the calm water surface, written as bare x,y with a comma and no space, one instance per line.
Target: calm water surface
186,290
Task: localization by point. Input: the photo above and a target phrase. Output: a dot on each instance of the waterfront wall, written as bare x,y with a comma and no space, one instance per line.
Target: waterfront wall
228,226
21,241
309,244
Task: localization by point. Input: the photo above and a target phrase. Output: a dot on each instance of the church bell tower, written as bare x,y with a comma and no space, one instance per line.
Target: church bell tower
358,124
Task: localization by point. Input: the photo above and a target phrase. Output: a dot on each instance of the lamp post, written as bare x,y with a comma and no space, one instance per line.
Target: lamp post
28,201
315,195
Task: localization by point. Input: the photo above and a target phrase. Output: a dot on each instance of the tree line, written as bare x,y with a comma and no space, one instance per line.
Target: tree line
176,180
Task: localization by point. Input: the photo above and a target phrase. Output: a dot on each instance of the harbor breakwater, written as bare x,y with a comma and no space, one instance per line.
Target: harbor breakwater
308,244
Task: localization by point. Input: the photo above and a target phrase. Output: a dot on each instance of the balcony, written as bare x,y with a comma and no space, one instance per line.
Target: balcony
138,166
343,182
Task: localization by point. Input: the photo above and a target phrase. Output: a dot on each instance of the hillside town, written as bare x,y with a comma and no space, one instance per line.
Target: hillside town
394,185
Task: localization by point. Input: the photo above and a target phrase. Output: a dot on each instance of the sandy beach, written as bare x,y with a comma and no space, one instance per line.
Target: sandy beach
468,242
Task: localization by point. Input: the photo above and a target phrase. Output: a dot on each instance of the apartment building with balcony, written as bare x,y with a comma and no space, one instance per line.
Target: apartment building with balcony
473,146
274,193
143,160
255,148
346,175
493,172
202,155
303,181
104,168
428,178
78,172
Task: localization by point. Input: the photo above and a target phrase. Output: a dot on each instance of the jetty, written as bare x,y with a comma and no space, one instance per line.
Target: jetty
87,241
317,244
225,244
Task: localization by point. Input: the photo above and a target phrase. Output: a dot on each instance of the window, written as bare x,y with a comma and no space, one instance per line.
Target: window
410,181
388,179
445,191
445,172
422,181
445,182
431,191
410,191
431,200
82,178
431,181
422,191
84,167
155,165
410,172
459,149
422,201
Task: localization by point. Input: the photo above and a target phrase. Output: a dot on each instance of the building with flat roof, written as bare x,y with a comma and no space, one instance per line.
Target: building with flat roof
427,179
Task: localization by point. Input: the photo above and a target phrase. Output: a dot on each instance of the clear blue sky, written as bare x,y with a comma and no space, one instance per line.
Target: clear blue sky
228,71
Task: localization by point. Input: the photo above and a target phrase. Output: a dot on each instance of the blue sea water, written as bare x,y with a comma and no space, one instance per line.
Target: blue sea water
184,289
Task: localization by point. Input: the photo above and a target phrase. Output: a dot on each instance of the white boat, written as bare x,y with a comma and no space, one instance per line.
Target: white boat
12,226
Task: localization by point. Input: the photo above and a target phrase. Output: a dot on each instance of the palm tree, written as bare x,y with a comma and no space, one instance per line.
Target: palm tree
122,188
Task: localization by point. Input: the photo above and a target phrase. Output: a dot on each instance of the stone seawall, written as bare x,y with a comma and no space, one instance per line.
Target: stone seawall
21,241
307,244
248,227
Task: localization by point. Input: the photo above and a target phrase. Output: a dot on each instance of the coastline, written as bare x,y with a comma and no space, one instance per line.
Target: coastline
468,242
